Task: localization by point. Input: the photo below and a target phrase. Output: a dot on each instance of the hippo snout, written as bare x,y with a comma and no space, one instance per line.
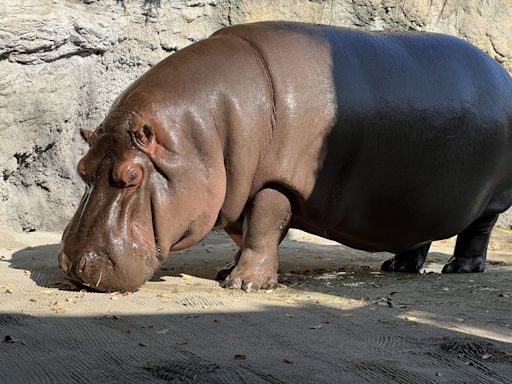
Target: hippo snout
100,273
86,269
66,265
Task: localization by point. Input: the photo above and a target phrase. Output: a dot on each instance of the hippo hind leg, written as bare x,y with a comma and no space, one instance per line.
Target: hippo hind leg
471,247
407,261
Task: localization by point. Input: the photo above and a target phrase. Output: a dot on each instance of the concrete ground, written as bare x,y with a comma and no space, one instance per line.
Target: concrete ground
335,319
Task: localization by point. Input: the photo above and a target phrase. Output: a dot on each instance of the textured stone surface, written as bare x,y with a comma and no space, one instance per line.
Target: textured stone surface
62,63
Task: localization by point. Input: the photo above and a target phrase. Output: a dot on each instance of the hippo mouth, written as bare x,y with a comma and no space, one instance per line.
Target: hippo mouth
101,273
105,269
83,274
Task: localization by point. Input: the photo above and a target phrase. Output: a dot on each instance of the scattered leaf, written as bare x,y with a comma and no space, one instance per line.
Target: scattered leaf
240,356
287,361
316,326
58,309
486,356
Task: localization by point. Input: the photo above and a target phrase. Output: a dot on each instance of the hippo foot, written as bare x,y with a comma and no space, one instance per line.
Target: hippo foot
249,280
395,264
465,265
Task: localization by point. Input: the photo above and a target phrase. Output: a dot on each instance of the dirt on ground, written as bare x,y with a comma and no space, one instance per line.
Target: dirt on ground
336,318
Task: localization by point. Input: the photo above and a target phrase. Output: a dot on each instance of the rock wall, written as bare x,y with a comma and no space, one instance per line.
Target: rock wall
63,62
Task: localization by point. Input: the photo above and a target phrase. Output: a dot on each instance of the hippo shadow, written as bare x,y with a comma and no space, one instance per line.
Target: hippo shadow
41,262
202,260
300,261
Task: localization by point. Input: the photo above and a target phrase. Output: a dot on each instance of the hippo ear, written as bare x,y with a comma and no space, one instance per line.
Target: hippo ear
88,136
144,138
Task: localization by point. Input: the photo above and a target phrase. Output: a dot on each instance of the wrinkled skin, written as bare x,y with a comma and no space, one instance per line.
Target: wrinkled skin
381,142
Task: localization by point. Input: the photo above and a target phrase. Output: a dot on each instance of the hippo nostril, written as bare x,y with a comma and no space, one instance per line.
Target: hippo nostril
81,263
63,262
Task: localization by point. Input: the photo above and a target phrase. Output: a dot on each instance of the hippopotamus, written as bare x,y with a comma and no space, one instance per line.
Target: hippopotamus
379,141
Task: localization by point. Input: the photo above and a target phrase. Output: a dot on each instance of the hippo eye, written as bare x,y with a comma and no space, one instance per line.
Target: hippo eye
132,176
127,175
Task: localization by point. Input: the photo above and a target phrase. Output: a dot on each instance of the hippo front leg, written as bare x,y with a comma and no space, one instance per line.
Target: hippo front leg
266,222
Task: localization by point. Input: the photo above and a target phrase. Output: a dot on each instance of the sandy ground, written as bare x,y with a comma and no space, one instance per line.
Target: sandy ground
335,319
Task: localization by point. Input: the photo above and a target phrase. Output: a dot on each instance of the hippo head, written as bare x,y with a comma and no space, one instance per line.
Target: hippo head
149,190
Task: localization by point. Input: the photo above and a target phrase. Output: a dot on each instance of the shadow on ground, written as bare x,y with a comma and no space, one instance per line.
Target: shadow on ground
307,263
298,258
302,344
